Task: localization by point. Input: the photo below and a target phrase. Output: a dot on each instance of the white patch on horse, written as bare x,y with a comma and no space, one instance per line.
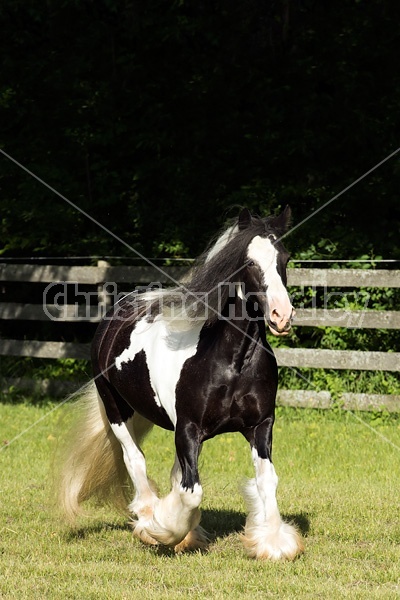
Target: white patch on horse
222,241
134,460
266,534
166,352
264,253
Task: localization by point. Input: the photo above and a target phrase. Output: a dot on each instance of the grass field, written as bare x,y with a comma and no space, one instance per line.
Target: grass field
339,481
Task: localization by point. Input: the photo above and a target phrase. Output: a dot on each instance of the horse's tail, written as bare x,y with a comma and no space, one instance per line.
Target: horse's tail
91,461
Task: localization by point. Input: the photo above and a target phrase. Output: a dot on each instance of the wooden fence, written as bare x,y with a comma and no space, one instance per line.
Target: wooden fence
94,279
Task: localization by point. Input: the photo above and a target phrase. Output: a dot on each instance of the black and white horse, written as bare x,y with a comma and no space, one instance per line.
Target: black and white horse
195,360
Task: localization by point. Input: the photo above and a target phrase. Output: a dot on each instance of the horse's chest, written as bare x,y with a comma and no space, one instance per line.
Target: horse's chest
222,394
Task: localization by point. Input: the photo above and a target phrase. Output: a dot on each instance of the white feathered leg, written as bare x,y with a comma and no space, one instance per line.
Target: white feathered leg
142,506
177,516
173,520
266,535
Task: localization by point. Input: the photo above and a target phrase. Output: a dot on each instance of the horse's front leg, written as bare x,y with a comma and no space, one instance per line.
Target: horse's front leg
266,535
177,516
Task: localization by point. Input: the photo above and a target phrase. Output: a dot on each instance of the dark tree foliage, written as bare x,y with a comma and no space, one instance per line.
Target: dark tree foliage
157,118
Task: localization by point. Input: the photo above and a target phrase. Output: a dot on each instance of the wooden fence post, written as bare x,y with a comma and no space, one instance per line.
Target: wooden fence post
104,298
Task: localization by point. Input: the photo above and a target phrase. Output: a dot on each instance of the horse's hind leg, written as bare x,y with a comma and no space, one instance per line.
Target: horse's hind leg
145,489
130,435
266,535
130,428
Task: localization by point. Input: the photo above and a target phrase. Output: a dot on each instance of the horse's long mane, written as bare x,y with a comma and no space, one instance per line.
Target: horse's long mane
205,290
215,270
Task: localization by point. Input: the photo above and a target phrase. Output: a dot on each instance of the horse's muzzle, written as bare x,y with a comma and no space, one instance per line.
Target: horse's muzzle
283,330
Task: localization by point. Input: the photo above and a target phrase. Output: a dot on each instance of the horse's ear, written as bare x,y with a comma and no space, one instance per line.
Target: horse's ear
244,219
283,221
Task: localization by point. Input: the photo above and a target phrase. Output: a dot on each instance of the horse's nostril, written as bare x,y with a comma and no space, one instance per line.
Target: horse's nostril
275,315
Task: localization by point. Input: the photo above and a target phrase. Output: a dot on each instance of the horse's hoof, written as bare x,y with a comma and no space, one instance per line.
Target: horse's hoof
282,543
139,531
196,539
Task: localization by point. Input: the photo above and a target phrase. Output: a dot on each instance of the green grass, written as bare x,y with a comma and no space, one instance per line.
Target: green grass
339,480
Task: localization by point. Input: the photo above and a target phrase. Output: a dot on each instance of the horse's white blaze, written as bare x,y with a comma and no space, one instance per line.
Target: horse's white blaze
166,352
263,252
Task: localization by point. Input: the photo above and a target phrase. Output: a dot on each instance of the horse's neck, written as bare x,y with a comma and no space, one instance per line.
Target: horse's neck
241,328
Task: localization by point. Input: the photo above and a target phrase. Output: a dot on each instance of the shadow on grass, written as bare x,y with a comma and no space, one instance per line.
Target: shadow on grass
83,533
218,524
222,523
301,520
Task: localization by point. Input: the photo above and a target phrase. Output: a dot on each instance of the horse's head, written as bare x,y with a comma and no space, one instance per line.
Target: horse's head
264,273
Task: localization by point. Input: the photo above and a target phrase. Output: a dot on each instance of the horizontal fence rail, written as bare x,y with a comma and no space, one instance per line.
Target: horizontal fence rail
143,275
357,278
136,276
286,357
90,275
310,317
338,359
40,349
